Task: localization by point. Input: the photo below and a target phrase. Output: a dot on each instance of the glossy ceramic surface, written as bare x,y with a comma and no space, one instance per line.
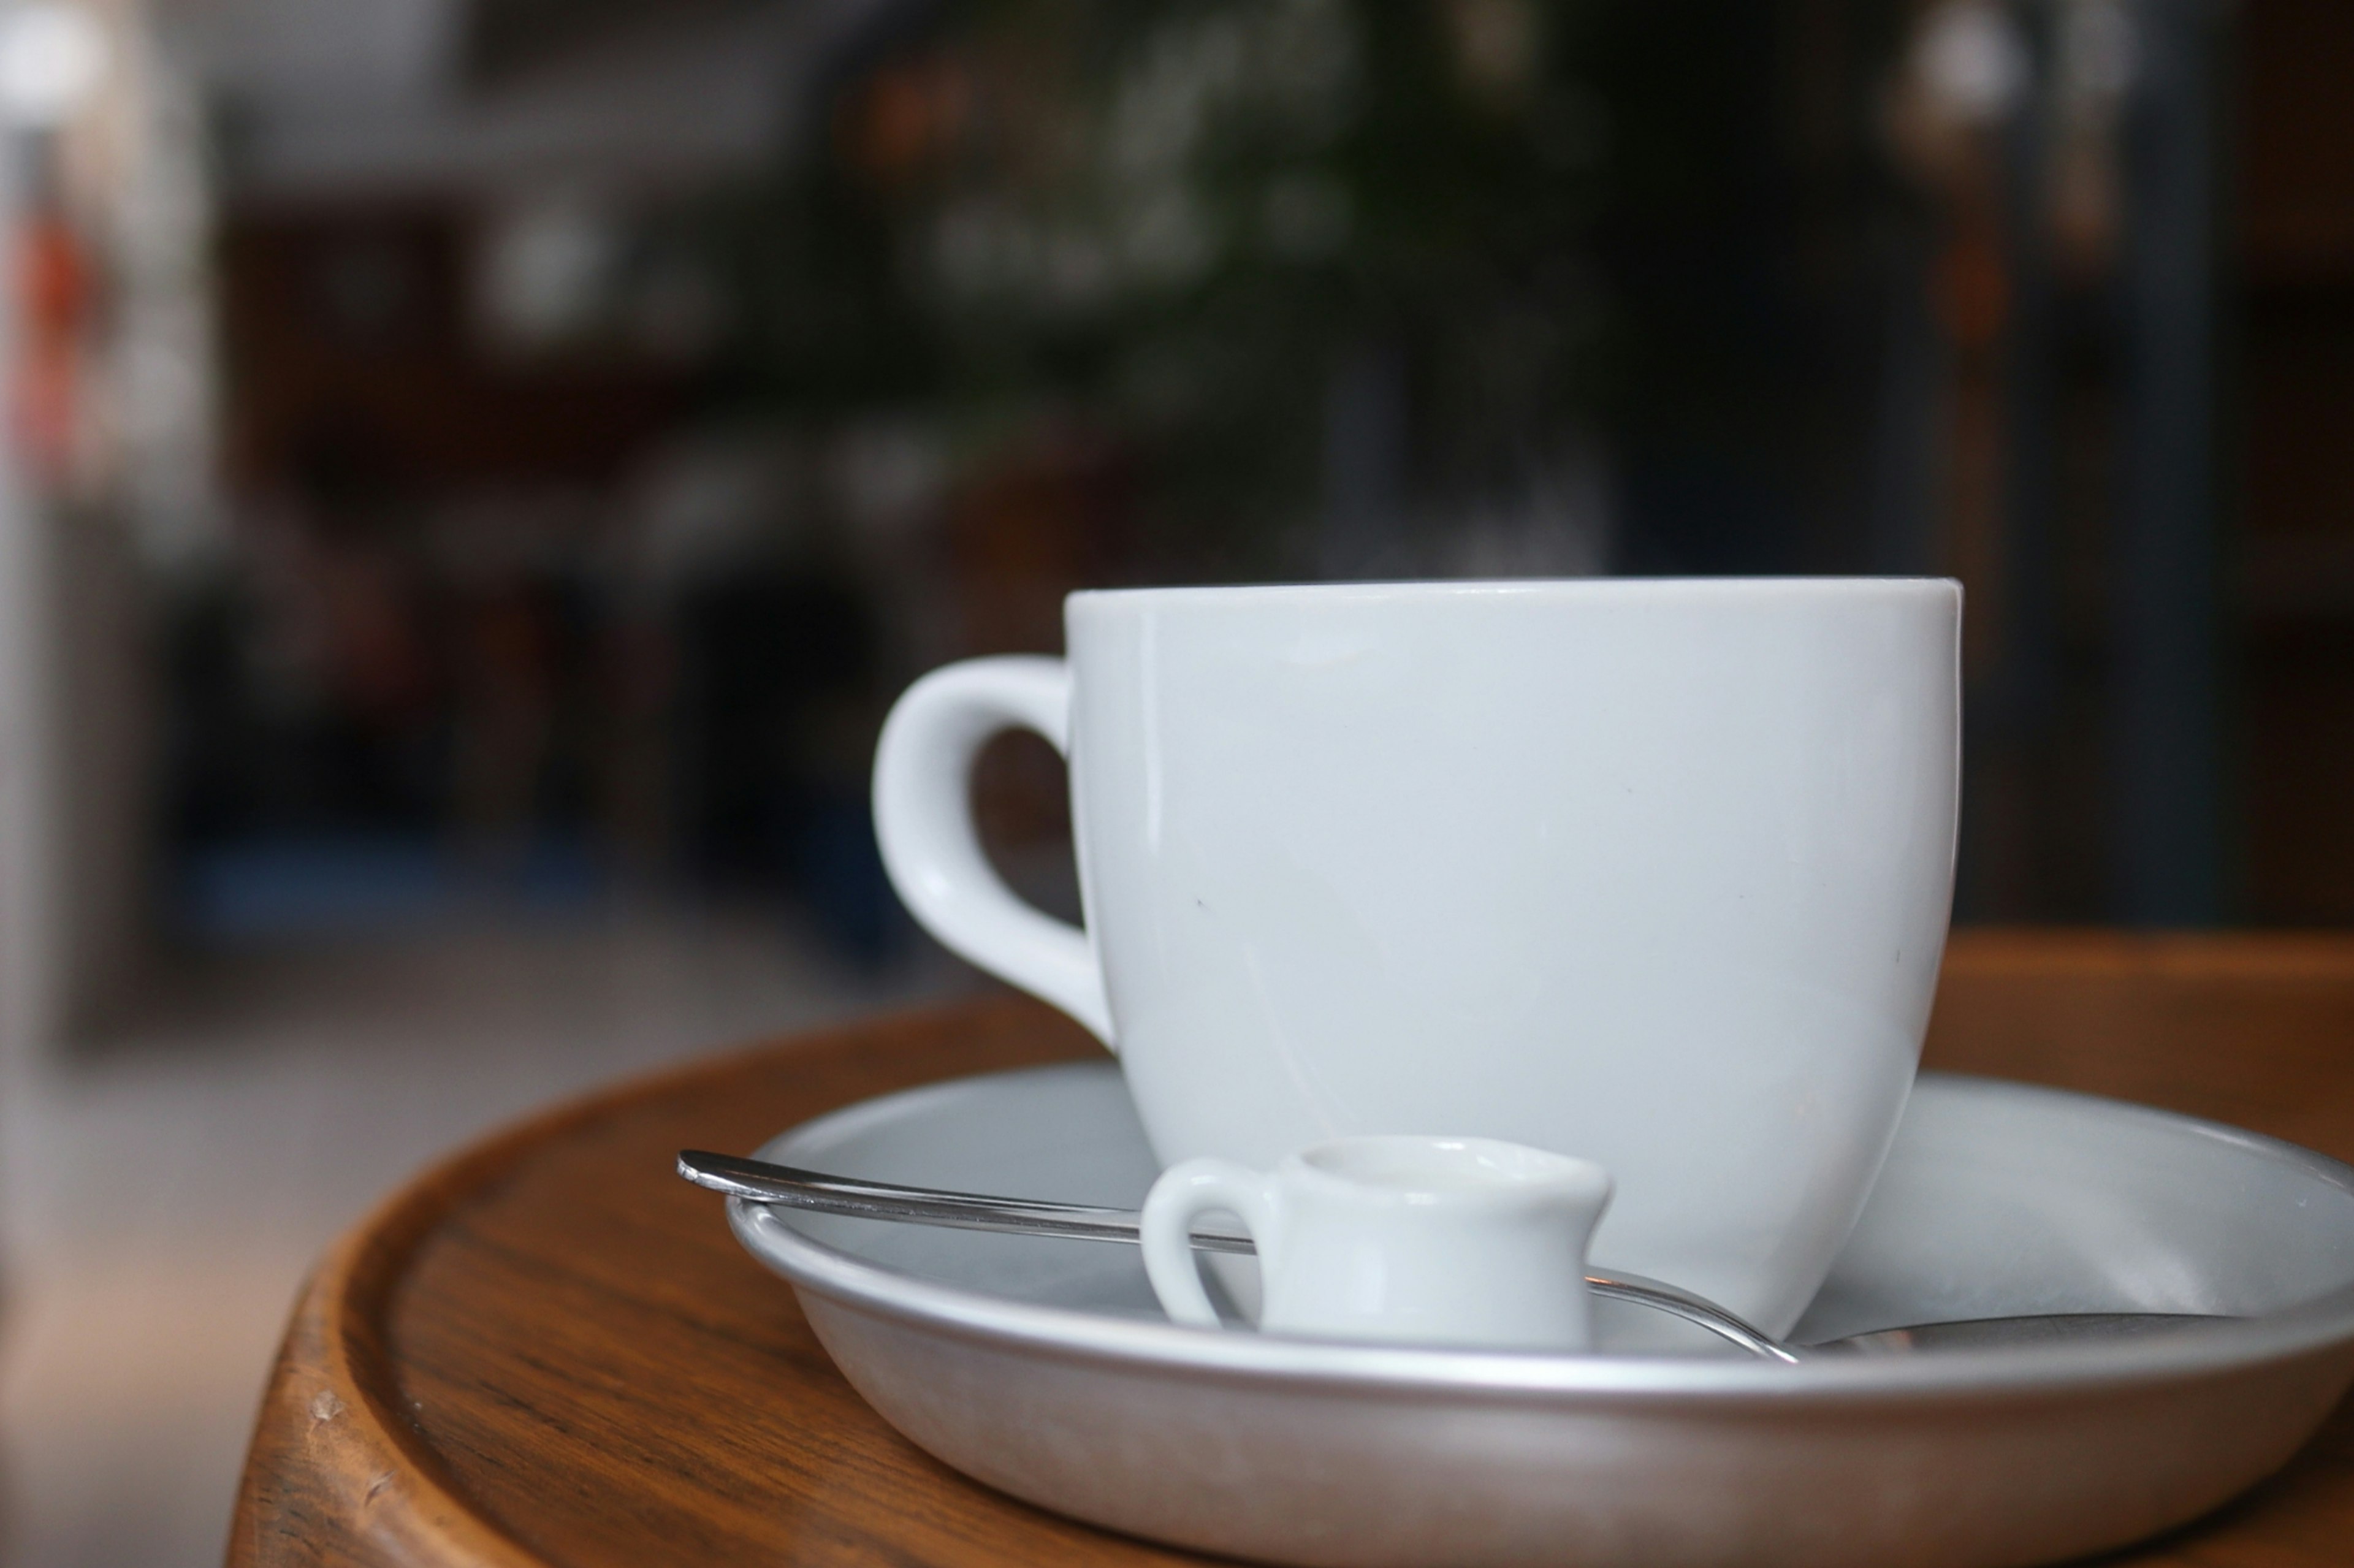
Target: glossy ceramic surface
1044,1367
1393,1238
1650,873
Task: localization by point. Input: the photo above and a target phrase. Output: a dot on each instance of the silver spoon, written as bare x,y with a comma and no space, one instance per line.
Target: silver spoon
760,1181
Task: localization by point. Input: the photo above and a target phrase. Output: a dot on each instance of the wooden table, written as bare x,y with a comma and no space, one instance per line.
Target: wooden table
550,1351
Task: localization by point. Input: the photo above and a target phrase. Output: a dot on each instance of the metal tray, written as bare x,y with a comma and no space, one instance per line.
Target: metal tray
1043,1367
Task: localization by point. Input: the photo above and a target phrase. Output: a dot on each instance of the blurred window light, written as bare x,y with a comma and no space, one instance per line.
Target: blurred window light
1162,108
52,57
1972,61
547,271
2096,47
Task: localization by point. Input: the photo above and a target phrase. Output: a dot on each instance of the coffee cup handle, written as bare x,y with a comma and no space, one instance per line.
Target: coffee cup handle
1185,1193
923,820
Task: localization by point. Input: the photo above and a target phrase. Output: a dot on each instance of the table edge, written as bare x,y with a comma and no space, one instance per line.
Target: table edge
349,1421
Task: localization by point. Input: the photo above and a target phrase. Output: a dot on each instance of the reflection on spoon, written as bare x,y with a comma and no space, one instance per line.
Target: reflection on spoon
759,1181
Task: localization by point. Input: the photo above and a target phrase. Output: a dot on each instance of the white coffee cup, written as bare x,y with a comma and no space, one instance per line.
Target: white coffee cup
1652,872
1396,1238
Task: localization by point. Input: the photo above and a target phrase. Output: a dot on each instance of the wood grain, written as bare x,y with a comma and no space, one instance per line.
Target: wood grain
550,1351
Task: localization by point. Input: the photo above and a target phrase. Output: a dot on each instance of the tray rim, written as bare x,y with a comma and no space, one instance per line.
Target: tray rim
2318,1325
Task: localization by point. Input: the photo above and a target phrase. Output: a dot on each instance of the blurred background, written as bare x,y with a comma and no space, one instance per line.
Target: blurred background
477,472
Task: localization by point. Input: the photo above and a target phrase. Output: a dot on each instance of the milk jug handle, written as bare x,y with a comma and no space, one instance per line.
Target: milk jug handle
1184,1192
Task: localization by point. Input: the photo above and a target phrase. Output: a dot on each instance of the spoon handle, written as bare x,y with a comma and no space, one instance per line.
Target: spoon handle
790,1187
787,1186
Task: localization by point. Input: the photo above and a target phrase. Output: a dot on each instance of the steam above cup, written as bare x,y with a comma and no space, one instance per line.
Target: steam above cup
1396,1238
1653,871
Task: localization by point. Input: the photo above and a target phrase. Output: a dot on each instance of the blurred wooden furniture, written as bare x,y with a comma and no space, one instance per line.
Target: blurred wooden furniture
2289,302
550,1351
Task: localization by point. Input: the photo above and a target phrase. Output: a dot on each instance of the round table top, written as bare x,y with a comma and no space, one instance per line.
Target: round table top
549,1351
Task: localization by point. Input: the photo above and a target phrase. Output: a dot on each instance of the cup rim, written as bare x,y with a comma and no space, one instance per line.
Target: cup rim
1567,590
